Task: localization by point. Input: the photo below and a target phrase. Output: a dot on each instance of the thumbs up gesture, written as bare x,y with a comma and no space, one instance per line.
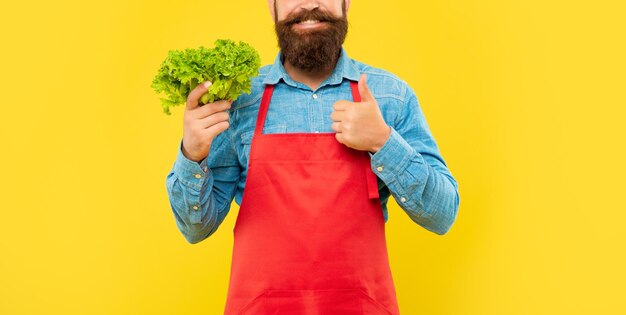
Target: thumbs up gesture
360,125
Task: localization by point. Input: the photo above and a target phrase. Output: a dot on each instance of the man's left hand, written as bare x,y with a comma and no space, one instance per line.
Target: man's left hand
360,125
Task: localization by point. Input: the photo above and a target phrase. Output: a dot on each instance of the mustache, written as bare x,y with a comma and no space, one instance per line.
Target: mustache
314,14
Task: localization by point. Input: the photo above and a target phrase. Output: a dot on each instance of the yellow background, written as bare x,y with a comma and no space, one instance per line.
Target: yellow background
525,99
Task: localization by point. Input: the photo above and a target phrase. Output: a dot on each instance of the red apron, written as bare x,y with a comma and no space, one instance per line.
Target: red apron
310,234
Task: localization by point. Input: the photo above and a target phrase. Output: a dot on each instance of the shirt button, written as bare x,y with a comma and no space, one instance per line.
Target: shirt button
197,176
403,199
380,168
205,168
315,96
195,207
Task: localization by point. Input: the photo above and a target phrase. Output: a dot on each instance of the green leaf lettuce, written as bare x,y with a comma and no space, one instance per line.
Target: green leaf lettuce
229,66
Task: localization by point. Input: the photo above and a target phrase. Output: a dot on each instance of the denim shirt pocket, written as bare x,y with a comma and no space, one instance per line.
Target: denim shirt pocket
246,137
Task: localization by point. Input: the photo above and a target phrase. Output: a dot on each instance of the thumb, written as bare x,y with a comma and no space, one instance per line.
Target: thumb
193,99
364,90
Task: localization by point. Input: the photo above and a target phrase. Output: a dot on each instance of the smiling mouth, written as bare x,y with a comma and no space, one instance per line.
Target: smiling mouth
309,24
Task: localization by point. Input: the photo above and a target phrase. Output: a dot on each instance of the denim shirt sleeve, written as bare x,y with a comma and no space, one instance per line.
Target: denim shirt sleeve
200,194
410,164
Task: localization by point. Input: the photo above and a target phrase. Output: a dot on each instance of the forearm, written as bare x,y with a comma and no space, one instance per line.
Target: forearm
427,193
197,207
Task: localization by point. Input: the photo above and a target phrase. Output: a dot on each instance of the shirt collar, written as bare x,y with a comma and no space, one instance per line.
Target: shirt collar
344,69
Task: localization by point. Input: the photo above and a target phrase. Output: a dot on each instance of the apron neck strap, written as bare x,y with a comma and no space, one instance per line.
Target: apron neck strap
265,102
356,96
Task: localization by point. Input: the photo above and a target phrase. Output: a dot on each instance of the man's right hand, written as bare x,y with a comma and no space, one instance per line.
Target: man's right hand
202,123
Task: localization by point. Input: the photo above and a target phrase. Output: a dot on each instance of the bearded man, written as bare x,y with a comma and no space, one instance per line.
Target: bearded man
318,147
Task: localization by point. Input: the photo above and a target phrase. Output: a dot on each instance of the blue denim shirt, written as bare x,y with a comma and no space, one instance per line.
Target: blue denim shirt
409,165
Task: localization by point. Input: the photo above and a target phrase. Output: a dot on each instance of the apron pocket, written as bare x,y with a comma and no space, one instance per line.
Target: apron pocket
314,302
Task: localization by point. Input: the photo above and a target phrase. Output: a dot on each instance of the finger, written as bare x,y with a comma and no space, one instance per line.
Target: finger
364,90
336,126
341,105
216,129
337,115
196,93
216,118
212,108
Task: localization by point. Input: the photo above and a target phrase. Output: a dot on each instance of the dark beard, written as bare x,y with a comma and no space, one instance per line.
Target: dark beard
315,50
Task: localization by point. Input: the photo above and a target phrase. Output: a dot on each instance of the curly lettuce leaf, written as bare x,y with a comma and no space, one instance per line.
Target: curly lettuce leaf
229,66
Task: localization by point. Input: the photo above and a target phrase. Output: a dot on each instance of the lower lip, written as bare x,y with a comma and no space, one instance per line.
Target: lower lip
307,26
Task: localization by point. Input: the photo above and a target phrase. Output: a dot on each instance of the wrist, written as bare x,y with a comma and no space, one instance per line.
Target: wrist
382,140
190,156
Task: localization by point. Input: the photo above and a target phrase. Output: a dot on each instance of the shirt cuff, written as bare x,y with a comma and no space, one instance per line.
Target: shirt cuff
391,161
190,173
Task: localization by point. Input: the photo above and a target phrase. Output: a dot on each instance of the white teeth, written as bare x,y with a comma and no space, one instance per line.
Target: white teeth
309,22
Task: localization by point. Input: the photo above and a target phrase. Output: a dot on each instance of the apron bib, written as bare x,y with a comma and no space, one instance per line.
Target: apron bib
310,234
